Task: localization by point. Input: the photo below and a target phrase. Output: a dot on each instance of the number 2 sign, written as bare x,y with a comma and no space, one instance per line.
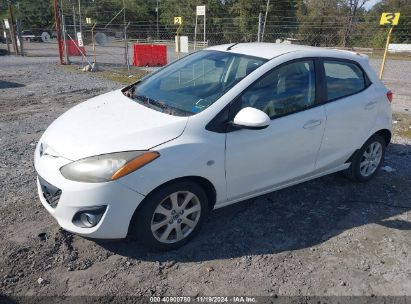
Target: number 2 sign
178,20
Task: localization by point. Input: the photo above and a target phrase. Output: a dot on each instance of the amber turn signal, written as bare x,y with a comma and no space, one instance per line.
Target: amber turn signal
134,164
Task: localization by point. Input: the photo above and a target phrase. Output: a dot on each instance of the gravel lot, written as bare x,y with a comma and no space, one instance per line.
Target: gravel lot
325,237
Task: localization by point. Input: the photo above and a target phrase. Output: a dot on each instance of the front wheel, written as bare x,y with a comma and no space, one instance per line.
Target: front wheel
367,160
171,215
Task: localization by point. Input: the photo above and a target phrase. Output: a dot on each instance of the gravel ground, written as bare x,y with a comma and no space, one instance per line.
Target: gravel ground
327,237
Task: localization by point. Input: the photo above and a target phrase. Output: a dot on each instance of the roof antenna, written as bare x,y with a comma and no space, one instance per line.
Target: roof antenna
231,46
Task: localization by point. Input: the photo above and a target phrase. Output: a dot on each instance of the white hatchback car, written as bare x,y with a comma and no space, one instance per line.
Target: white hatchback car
216,127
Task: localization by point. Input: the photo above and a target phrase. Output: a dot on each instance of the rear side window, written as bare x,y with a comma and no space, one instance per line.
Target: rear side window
343,79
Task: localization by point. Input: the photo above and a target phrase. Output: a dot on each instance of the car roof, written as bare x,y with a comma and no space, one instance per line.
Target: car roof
271,50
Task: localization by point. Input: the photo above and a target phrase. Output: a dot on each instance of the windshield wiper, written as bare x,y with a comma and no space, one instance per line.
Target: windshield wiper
160,105
149,101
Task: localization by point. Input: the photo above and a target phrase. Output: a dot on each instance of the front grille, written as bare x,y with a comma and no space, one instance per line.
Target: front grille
50,193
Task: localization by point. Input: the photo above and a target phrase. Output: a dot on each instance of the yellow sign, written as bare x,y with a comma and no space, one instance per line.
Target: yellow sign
88,20
390,18
178,20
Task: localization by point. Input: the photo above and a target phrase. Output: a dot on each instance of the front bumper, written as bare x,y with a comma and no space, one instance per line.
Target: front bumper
120,200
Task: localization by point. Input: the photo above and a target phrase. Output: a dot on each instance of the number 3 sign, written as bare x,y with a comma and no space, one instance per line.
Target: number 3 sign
390,18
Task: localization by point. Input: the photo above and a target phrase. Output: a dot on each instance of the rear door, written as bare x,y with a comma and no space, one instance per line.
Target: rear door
351,108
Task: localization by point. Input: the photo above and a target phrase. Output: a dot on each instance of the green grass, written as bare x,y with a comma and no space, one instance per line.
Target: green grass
404,132
402,127
120,75
123,77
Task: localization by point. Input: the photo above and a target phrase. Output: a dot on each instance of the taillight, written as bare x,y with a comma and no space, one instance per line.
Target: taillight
389,96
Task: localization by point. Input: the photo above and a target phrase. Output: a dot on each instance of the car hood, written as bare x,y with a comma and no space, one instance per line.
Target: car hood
109,123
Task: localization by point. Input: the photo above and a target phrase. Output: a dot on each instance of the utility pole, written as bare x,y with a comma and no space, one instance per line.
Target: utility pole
74,21
157,21
13,29
80,26
18,25
124,13
58,29
79,16
260,17
64,39
125,36
5,36
195,33
265,20
204,38
18,29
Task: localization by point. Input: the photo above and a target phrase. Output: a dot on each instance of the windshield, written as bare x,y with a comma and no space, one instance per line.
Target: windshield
193,83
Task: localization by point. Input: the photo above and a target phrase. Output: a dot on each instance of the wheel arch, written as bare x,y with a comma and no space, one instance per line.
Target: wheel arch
386,134
201,181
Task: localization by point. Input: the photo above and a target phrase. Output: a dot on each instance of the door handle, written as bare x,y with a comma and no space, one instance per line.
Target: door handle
311,124
370,105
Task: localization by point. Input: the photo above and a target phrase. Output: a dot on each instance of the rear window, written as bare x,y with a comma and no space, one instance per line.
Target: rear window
343,79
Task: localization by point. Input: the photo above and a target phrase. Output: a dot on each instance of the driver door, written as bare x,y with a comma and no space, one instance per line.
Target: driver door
258,160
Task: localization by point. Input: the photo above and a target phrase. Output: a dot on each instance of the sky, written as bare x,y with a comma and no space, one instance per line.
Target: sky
370,3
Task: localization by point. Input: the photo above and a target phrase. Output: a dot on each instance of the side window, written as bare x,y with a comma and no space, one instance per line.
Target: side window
286,89
343,79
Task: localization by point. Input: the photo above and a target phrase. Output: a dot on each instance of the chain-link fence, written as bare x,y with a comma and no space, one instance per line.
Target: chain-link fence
110,44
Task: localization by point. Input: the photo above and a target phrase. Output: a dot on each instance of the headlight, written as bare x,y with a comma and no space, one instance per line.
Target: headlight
107,167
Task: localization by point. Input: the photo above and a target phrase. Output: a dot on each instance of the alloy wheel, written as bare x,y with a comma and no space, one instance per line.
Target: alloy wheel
176,217
371,159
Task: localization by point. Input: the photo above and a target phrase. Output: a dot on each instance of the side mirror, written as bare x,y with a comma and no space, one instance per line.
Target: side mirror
251,118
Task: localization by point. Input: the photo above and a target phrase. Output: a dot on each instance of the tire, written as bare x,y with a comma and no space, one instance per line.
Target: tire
162,225
371,156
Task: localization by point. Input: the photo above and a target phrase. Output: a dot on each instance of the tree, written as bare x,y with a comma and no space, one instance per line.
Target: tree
279,13
320,22
103,11
35,14
353,7
3,9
